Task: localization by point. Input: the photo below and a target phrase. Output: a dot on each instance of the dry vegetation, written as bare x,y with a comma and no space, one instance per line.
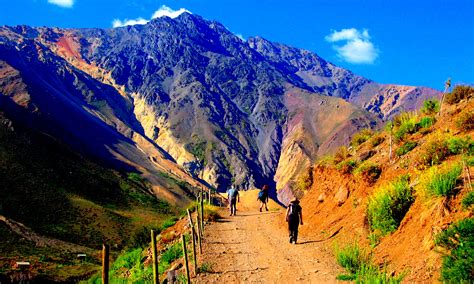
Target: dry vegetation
417,167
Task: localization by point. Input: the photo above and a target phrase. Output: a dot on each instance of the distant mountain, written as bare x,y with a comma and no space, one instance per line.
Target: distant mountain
188,97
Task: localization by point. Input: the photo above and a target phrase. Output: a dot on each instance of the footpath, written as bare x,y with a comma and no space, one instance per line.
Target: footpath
253,247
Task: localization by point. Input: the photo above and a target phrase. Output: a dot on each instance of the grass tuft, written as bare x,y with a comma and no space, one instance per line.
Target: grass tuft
352,257
346,167
441,181
360,267
388,205
369,171
430,106
465,120
468,200
406,148
459,262
362,136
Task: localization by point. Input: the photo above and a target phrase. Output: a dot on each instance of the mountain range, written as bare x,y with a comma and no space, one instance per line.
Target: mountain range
187,97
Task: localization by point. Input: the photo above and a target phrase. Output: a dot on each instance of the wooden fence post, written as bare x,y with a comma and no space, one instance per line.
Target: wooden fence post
199,233
155,258
202,217
105,263
186,264
194,241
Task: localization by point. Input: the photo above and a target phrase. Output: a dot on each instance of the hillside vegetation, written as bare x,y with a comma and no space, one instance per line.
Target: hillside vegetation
404,194
59,195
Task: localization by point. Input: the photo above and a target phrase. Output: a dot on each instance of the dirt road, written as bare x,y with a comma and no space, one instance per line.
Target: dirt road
253,247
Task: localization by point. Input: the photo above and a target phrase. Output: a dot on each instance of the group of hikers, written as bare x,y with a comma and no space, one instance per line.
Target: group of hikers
294,215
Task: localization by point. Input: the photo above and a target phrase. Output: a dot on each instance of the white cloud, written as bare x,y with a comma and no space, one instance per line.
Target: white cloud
164,11
357,47
118,23
62,3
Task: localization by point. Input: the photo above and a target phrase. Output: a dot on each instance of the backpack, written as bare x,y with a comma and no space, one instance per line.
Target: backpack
261,194
294,210
233,193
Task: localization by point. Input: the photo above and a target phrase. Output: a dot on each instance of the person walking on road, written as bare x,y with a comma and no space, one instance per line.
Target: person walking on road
233,197
294,217
263,197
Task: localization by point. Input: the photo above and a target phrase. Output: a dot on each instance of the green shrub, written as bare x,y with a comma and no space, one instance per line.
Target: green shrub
459,93
169,256
430,106
361,137
326,161
459,240
458,145
169,223
130,266
211,212
406,147
359,265
352,257
405,123
434,151
426,122
388,205
305,179
205,267
346,167
369,171
468,200
465,120
441,181
470,161
377,140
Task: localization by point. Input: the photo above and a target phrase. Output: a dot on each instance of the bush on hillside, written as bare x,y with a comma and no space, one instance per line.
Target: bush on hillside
459,93
305,180
425,122
341,154
369,171
405,123
468,200
465,121
459,240
388,205
406,147
434,151
352,257
326,161
430,106
361,137
377,140
346,167
359,264
459,145
441,181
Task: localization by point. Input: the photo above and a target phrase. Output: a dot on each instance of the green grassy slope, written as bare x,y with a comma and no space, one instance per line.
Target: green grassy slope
59,194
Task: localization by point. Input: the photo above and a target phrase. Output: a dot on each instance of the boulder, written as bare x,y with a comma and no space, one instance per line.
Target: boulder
341,195
321,197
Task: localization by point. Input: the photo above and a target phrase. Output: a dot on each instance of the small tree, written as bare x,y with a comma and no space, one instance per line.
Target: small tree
447,85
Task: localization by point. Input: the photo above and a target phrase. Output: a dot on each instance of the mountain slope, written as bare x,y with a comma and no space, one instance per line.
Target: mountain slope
343,195
54,201
188,94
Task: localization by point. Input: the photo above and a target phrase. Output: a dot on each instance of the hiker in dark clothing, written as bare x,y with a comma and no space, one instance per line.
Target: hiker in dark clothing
294,217
233,197
263,197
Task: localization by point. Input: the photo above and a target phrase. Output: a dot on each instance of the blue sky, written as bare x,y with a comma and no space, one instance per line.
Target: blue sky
390,41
